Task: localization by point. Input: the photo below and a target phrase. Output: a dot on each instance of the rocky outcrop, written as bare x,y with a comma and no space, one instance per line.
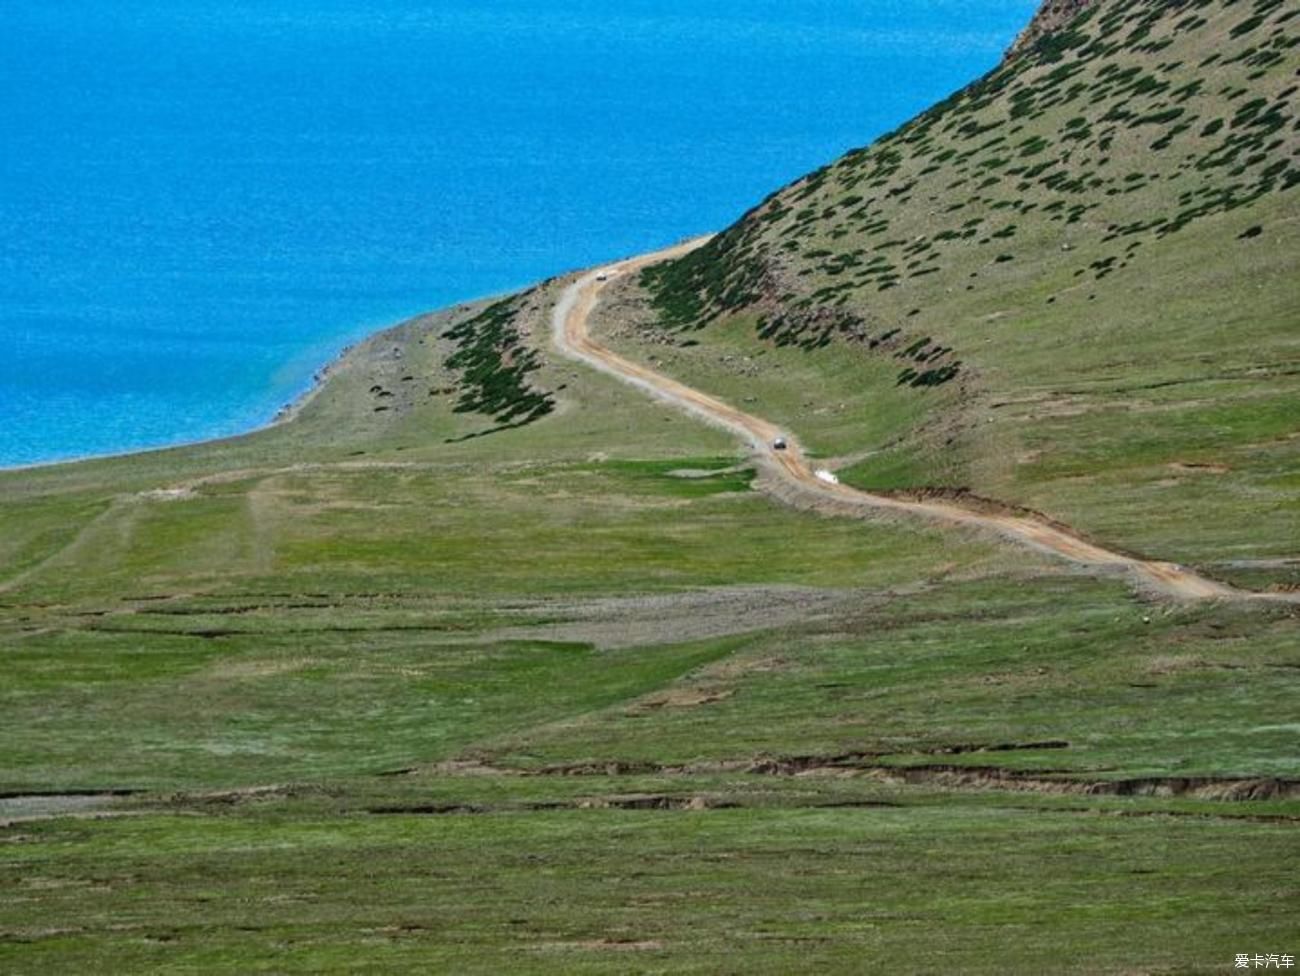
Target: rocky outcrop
1051,16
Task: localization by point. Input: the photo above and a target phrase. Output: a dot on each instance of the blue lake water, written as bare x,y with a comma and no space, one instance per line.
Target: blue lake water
201,203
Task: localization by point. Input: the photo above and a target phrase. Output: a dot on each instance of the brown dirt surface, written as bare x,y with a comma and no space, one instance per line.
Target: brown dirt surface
620,622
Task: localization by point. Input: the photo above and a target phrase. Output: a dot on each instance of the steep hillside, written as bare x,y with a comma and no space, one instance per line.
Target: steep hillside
1103,227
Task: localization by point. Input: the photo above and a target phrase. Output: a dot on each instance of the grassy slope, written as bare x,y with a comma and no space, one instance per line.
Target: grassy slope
367,590
1101,239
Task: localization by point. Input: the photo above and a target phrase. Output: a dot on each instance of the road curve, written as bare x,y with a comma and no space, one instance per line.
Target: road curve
571,337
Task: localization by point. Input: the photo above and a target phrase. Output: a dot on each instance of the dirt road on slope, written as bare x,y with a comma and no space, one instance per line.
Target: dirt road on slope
796,480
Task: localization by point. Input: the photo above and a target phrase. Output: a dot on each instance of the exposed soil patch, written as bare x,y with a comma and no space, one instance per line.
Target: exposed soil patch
168,494
786,766
655,801
604,945
994,778
629,801
248,794
681,698
1202,468
945,776
429,809
672,618
736,666
976,503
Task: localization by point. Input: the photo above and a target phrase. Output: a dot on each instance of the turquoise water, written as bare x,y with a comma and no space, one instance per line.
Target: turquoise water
202,203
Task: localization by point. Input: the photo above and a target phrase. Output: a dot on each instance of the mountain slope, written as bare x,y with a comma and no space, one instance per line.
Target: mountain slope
1103,226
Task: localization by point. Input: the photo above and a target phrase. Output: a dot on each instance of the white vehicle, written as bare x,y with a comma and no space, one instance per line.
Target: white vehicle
779,444
602,277
823,475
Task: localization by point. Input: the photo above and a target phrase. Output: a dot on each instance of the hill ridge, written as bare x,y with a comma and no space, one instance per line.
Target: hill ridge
1051,17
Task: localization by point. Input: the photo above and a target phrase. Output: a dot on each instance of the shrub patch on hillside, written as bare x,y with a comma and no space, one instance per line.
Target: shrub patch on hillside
494,365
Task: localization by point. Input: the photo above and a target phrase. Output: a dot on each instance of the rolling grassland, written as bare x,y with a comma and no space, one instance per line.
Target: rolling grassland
482,661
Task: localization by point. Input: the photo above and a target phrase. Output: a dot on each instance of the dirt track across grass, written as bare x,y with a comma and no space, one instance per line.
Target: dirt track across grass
791,478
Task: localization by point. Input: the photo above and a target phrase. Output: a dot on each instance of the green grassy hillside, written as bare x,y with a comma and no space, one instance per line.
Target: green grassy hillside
1071,286
482,661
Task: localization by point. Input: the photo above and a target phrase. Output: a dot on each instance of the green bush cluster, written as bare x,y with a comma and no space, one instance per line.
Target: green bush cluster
494,367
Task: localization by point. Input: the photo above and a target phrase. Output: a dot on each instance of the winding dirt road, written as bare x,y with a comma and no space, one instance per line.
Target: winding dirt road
792,471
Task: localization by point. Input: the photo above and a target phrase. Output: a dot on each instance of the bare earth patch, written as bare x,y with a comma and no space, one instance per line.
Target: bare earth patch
1202,468
603,945
670,618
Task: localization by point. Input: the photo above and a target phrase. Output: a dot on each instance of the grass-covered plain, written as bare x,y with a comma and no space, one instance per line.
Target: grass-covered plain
932,883
336,744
